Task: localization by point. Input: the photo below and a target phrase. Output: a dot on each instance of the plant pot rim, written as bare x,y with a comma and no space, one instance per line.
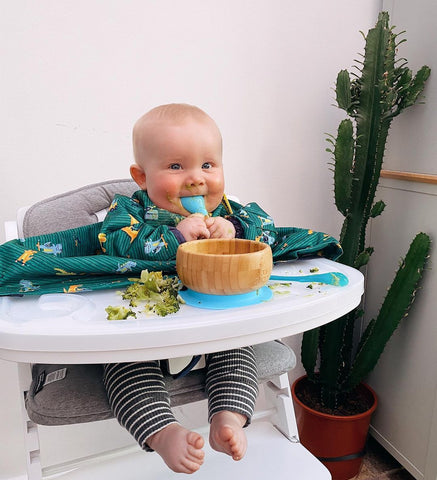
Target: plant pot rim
339,418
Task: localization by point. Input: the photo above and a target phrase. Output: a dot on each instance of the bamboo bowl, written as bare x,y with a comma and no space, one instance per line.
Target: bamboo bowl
224,266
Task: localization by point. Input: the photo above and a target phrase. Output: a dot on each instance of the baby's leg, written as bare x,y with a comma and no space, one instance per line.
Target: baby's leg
232,389
140,402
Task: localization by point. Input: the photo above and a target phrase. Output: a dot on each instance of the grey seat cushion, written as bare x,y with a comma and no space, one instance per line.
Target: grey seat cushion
75,208
80,397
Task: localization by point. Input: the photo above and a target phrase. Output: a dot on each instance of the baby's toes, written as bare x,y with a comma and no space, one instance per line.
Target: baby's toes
190,465
195,440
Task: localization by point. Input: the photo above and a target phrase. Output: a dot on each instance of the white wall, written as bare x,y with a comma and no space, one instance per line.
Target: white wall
76,75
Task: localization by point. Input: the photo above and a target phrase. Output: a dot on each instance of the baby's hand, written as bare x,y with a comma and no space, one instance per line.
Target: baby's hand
219,227
193,227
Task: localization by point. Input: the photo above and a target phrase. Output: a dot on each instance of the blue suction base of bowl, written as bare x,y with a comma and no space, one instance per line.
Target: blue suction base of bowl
222,302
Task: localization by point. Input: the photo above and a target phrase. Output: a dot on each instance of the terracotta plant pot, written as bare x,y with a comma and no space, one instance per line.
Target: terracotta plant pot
337,441
224,266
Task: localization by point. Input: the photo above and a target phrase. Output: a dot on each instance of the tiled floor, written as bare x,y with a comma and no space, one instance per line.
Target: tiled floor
380,465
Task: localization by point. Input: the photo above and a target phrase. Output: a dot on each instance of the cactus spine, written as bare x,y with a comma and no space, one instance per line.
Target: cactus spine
384,88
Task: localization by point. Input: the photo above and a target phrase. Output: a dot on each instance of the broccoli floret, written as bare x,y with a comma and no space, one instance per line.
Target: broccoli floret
162,309
119,313
138,292
160,294
168,303
152,281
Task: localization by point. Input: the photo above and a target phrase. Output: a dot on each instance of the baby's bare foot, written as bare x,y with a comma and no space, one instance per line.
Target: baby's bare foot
180,448
226,434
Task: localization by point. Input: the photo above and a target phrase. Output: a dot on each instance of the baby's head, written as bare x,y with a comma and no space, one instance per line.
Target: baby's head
178,153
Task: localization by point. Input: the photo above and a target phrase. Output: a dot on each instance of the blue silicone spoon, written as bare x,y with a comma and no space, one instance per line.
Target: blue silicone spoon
337,279
195,204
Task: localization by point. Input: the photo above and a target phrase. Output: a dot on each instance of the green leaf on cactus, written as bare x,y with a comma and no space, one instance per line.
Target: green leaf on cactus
343,90
377,209
417,85
343,156
363,258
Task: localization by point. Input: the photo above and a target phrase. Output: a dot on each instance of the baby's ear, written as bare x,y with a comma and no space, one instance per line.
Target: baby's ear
139,175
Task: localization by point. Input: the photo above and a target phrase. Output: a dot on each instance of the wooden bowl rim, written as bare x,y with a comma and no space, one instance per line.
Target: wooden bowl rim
184,247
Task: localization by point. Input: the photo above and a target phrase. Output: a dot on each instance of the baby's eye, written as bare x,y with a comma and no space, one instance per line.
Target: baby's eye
175,166
206,165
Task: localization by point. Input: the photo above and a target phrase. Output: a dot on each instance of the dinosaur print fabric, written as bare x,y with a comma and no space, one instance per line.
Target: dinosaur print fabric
135,235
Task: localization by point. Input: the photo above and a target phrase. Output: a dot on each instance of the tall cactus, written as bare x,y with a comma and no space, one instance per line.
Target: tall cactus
384,88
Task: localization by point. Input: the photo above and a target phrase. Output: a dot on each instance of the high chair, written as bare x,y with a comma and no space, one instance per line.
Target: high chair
54,394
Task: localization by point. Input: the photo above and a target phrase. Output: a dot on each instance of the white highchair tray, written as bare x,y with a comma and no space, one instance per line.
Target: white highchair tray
50,307
59,328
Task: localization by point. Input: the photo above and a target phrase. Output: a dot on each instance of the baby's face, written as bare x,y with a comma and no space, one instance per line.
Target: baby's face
183,160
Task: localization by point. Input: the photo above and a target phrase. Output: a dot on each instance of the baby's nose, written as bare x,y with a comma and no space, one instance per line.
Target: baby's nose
195,179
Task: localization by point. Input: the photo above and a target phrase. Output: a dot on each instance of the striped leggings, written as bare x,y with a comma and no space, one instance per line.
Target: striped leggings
140,401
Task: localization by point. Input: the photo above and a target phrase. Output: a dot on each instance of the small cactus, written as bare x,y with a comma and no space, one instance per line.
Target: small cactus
384,88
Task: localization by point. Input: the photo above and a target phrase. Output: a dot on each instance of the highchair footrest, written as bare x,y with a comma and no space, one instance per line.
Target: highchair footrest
269,454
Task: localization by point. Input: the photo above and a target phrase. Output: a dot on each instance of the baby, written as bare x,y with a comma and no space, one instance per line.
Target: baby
178,153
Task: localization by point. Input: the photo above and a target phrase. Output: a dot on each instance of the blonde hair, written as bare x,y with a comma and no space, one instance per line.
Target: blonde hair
174,112
170,113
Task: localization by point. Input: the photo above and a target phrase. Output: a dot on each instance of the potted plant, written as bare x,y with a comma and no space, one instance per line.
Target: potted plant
335,365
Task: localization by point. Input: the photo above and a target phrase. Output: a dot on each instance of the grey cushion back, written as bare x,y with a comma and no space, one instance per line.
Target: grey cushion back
75,208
